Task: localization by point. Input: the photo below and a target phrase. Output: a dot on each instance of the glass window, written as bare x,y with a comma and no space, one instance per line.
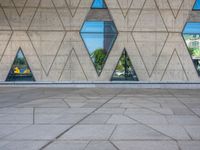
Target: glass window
197,5
99,37
124,69
191,35
99,4
20,70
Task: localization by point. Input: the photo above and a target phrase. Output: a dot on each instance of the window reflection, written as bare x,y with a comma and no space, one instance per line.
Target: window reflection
191,36
197,5
20,70
124,69
98,37
98,4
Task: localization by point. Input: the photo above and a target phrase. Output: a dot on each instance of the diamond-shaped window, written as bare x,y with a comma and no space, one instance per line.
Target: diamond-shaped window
20,70
197,5
99,37
99,4
191,35
124,70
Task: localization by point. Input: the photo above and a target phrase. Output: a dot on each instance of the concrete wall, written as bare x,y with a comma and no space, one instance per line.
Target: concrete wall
48,33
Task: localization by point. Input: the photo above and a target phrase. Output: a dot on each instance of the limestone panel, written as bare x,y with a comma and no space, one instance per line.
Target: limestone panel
124,15
20,40
72,14
22,20
46,17
174,70
48,33
150,46
73,70
150,18
47,45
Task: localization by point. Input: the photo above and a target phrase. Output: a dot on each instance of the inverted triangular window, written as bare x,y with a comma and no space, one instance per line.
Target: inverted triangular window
99,4
124,69
20,70
197,5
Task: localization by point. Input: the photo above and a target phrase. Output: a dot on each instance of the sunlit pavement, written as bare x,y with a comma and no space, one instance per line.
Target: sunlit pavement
99,119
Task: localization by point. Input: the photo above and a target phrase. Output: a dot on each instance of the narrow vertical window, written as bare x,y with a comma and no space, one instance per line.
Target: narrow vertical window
191,35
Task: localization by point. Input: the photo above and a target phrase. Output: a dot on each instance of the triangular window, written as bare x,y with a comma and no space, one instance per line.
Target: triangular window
124,69
99,4
20,70
191,35
197,5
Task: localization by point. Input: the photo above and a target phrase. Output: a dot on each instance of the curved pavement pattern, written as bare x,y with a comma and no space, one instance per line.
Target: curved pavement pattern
99,119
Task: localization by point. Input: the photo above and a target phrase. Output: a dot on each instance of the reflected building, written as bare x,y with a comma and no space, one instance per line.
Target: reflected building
100,40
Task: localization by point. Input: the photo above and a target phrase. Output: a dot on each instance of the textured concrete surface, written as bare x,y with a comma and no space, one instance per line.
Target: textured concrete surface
48,33
101,119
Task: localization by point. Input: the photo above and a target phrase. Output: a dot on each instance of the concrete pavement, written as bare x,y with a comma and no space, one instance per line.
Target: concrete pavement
99,119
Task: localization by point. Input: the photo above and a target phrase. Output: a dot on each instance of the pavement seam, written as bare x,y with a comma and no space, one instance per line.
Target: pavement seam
33,115
141,123
194,113
113,145
68,129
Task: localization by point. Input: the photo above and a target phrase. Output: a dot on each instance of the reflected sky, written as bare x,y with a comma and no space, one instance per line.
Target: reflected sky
197,5
98,4
192,28
20,54
93,41
96,33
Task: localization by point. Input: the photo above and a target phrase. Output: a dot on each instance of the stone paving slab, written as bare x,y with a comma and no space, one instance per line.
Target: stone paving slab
99,119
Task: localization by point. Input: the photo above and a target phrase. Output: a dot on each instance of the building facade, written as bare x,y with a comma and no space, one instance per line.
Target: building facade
138,40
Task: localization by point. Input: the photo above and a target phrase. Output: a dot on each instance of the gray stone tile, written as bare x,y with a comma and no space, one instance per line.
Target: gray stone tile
3,143
67,145
140,111
89,132
181,111
75,105
68,119
173,131
112,105
38,132
110,111
163,111
58,118
16,111
120,119
189,145
197,110
96,119
146,145
63,110
100,145
49,103
183,120
8,129
17,119
92,105
136,132
23,145
194,131
149,119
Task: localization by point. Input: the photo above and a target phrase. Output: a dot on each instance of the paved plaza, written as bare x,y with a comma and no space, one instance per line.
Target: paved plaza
99,119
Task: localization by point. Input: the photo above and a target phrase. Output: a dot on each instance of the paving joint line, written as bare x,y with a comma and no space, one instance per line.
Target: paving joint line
113,145
141,123
68,129
194,113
